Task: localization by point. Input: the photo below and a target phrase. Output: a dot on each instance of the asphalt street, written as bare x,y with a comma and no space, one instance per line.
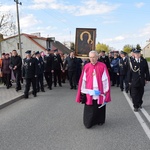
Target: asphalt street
54,121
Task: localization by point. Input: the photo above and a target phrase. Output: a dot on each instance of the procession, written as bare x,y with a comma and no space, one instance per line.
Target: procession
74,75
127,72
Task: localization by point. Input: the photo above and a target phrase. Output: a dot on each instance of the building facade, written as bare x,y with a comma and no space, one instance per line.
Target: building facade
30,42
146,51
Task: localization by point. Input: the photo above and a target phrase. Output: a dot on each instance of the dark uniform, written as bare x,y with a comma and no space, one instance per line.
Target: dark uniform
105,60
48,60
40,71
138,74
72,70
79,69
57,66
30,74
123,69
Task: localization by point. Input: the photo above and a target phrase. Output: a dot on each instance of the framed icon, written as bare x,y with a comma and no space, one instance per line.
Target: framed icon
85,41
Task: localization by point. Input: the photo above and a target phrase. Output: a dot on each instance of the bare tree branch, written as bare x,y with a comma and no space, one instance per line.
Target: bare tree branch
7,25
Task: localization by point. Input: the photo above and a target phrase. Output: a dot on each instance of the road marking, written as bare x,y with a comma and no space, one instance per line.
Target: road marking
138,116
145,114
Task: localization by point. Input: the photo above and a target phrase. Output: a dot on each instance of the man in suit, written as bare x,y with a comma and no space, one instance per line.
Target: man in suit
57,67
138,77
71,61
16,64
123,69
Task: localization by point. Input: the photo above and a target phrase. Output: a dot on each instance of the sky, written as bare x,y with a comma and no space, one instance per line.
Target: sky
117,22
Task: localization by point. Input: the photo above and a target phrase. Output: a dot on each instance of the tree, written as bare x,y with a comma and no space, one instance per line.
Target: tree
72,46
138,47
102,47
127,48
7,25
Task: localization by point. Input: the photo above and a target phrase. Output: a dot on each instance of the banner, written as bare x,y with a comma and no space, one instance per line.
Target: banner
85,41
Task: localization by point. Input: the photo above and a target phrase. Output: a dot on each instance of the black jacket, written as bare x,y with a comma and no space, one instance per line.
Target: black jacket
105,60
123,66
72,63
57,62
16,61
40,66
48,63
139,73
30,67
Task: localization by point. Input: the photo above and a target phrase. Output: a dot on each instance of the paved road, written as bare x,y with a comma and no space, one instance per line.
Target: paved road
53,121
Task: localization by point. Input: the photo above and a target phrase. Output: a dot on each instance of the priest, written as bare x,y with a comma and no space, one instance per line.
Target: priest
94,91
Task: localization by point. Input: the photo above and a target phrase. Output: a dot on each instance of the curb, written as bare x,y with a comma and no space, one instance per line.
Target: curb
18,98
11,101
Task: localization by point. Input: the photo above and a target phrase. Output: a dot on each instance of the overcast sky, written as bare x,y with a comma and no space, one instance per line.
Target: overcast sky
117,22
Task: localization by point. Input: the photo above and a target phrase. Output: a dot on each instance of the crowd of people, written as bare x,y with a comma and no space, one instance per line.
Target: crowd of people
54,67
93,76
124,71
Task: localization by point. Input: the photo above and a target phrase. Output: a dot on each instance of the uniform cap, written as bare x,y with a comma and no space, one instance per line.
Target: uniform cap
48,49
137,51
133,49
122,52
28,52
56,50
37,52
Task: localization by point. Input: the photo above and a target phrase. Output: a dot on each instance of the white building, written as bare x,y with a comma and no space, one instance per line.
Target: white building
30,42
146,51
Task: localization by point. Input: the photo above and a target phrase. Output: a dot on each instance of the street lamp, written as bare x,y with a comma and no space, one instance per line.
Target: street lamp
18,22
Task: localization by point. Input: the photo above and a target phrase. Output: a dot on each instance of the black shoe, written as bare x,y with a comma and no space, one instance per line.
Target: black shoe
140,106
34,94
75,87
50,88
60,85
18,89
43,90
126,91
100,123
112,85
37,90
136,109
26,96
122,90
71,87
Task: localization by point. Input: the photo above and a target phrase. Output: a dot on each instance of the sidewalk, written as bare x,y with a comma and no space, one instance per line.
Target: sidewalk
9,96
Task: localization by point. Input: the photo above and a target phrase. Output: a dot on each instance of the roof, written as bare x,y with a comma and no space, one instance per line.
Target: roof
55,45
61,47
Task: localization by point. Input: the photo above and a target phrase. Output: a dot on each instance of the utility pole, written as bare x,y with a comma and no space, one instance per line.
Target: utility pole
18,22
